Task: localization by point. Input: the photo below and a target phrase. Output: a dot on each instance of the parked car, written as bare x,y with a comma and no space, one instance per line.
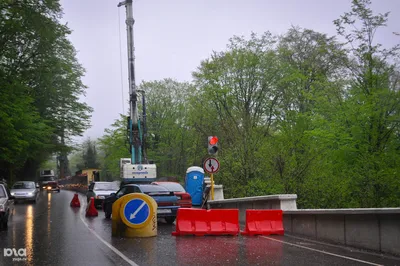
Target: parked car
166,200
184,198
24,190
100,190
6,204
52,186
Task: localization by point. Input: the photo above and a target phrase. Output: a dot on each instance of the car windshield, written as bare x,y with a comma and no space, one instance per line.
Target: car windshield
50,178
152,188
106,186
24,185
175,187
2,192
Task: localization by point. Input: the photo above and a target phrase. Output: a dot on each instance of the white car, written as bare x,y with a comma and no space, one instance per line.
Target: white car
100,190
24,190
6,205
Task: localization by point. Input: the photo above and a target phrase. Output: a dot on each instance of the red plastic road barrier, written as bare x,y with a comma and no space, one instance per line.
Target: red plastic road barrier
90,209
264,222
200,222
75,201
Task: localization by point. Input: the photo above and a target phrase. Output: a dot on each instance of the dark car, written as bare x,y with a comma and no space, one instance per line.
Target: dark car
45,180
52,186
184,198
167,202
100,190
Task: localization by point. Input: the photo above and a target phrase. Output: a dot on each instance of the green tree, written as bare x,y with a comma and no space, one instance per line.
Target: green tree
168,140
113,146
372,109
238,90
40,81
75,161
311,65
89,154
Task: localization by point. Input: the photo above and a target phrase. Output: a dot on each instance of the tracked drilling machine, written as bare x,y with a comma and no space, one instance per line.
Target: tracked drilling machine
136,169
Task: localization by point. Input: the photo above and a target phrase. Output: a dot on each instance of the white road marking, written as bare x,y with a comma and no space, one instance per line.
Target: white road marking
137,210
321,251
119,253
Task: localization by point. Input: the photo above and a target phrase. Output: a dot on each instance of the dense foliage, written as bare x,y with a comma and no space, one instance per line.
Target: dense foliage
40,86
299,113
84,156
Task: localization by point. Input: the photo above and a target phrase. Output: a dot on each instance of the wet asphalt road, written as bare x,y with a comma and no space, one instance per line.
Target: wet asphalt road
54,234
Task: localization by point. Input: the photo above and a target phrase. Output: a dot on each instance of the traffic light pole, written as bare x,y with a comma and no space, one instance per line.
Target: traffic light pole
212,150
212,186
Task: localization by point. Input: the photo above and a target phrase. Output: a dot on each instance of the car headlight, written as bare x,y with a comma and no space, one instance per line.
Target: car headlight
100,197
12,193
29,193
1,207
48,187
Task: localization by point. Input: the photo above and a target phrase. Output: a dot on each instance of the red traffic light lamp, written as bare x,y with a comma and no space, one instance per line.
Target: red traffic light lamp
213,140
212,145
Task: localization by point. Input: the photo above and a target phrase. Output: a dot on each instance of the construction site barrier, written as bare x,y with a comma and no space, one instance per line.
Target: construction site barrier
201,222
90,209
264,222
134,215
75,201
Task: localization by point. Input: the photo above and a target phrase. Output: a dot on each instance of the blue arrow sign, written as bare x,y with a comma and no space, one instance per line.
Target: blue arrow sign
136,211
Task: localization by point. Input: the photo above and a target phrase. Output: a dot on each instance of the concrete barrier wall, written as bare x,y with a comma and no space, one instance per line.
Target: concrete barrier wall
369,229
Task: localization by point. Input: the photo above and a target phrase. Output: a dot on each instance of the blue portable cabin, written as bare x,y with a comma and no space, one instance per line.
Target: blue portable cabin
194,181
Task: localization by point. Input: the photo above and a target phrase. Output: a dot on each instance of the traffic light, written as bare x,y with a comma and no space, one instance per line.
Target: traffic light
212,145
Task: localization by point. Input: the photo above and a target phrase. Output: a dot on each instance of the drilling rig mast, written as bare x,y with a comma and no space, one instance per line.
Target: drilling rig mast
134,120
138,169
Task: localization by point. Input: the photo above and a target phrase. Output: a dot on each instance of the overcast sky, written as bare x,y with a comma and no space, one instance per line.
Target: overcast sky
173,36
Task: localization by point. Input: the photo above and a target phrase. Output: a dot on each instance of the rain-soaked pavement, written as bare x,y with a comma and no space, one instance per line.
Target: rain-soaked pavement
53,233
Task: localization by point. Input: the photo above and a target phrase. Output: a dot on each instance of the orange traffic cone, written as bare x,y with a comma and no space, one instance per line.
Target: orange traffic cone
75,201
91,210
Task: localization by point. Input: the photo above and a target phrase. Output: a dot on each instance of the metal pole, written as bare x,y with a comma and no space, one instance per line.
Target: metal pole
135,138
144,116
143,127
212,186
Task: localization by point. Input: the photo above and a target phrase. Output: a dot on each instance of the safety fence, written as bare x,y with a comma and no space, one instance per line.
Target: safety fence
77,183
201,222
